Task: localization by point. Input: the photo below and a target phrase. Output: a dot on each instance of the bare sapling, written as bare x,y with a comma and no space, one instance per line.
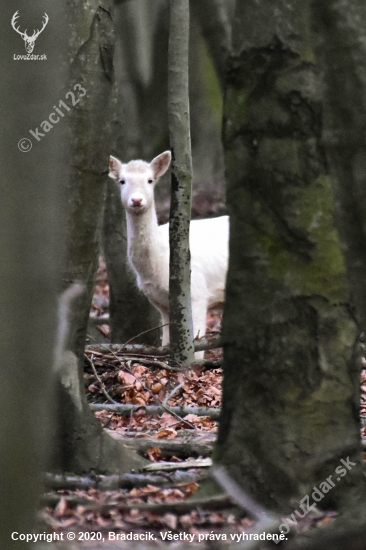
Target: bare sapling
148,244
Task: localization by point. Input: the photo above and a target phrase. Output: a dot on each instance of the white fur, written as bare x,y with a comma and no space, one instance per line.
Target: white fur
148,244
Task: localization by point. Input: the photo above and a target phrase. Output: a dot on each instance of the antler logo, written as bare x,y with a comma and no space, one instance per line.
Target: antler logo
28,40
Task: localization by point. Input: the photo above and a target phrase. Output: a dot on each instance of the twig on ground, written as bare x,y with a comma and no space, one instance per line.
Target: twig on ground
173,392
103,390
128,369
142,333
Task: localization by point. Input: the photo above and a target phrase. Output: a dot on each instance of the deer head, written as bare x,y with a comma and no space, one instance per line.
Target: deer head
28,40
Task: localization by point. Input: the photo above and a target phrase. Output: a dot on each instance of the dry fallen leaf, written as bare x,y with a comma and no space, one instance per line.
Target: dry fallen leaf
168,433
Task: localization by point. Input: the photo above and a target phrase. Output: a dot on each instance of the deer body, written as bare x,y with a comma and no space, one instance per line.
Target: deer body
148,244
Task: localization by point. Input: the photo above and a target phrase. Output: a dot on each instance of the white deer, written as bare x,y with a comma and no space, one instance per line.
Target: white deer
148,244
28,40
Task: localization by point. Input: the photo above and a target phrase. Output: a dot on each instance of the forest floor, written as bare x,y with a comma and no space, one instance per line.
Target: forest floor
153,501
130,382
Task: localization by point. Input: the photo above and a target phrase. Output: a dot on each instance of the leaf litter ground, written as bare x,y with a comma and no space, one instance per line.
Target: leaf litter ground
129,382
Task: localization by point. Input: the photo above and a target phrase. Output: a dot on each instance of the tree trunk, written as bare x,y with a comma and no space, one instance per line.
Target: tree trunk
341,31
180,313
31,254
82,445
291,385
214,21
130,311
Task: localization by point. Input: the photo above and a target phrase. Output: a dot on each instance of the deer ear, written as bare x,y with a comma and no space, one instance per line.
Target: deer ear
114,168
160,164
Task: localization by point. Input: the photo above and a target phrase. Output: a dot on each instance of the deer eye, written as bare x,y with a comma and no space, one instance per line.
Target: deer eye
122,182
150,181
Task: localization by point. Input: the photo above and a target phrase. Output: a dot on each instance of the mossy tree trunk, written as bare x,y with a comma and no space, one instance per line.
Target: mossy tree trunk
291,384
82,444
340,29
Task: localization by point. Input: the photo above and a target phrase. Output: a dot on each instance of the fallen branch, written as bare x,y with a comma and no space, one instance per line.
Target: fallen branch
215,363
126,410
266,522
201,446
125,481
241,498
99,320
150,362
158,466
126,366
203,344
180,507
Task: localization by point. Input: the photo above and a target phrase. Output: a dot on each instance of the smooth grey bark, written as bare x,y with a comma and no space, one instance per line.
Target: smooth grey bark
31,254
82,444
215,25
180,311
205,101
291,384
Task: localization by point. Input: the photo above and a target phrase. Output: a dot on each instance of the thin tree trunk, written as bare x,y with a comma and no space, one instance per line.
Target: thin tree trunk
180,312
291,384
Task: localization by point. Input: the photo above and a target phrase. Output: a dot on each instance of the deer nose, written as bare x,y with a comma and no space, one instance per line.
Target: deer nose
136,202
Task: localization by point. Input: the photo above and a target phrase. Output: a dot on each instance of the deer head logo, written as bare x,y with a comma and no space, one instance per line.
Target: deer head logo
28,40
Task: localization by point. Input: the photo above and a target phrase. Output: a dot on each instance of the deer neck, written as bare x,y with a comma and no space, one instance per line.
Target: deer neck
143,242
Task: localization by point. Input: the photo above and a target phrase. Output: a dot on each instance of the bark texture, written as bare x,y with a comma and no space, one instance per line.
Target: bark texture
31,254
340,29
214,20
130,311
291,385
180,312
82,445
